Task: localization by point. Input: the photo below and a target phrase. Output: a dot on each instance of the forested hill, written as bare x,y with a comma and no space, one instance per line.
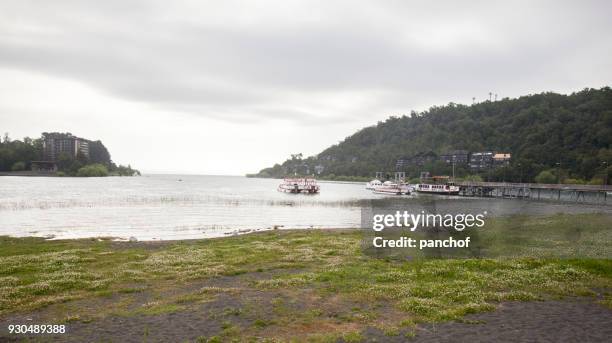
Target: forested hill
566,133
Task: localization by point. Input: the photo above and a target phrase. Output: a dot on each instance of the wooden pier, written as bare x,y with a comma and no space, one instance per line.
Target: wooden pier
595,194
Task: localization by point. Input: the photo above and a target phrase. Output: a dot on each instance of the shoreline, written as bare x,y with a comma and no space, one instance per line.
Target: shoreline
26,173
234,233
38,174
142,234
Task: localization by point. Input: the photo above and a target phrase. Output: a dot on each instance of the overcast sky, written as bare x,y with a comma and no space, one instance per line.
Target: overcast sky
230,87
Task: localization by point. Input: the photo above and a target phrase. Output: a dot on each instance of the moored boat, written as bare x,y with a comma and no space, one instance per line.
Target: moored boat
299,185
438,185
373,184
408,188
391,188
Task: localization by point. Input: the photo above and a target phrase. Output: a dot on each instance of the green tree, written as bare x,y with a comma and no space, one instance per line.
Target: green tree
99,154
545,176
474,178
74,167
82,158
93,170
64,161
18,166
13,151
126,171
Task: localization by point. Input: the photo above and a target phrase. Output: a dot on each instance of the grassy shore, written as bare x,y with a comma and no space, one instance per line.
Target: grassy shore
311,285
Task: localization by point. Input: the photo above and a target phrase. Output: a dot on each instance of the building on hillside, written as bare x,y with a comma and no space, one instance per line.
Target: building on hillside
501,159
421,159
55,144
402,163
481,160
319,169
301,169
457,157
417,160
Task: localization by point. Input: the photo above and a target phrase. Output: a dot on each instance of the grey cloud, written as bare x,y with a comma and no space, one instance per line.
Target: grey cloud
253,72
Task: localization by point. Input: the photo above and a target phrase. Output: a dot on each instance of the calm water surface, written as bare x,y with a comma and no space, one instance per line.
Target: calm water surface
163,207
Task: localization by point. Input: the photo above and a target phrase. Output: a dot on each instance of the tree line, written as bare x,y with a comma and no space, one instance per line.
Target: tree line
17,155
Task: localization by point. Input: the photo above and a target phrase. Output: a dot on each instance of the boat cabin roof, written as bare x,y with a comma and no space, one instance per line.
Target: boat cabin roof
442,179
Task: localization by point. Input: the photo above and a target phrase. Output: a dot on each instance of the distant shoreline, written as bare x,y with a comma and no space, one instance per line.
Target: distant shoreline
30,173
26,173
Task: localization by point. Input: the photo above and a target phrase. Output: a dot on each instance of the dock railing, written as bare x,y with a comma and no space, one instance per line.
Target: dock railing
569,187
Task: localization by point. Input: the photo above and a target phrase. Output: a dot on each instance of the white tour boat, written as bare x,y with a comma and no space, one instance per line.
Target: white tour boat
438,185
299,185
392,188
408,188
373,184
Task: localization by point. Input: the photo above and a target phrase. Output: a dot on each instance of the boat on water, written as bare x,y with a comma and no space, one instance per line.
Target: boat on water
438,185
392,188
373,184
408,188
299,186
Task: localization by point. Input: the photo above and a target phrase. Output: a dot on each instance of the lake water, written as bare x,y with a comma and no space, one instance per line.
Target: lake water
162,207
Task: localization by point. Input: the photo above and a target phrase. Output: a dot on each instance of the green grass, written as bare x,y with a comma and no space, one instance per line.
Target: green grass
322,285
